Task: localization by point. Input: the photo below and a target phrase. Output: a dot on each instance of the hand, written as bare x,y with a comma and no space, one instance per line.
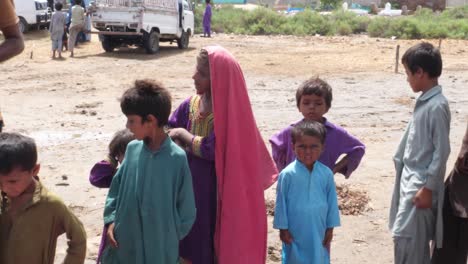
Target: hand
185,261
328,237
174,133
110,236
423,198
285,236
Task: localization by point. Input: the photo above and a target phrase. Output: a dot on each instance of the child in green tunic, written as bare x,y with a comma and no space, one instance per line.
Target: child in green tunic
150,205
31,217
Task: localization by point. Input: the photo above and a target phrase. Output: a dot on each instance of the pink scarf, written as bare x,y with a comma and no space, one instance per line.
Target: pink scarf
244,167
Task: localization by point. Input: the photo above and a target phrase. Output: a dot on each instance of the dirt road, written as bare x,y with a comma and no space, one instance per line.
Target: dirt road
70,107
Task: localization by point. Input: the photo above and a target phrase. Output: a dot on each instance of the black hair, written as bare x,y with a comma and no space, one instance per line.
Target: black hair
58,6
207,1
17,151
77,2
315,86
309,128
119,143
147,97
425,56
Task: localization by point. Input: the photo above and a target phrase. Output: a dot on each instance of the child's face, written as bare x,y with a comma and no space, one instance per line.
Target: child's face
313,107
17,181
414,80
140,129
202,80
308,150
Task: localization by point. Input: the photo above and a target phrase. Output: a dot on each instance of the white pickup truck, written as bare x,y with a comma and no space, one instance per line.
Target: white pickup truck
32,13
142,22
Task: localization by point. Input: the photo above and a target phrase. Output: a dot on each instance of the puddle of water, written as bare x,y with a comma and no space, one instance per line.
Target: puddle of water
54,138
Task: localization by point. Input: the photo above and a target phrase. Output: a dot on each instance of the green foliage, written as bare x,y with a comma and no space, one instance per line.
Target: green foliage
331,3
452,23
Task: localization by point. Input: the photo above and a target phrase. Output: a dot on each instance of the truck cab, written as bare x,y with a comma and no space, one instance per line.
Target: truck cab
32,13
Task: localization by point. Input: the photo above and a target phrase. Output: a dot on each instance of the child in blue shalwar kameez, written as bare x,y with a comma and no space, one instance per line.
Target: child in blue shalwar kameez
306,203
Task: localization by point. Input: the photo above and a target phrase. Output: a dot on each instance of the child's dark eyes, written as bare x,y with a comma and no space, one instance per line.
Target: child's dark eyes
312,147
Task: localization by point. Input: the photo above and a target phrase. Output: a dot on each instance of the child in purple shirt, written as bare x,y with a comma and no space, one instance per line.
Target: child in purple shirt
313,98
102,172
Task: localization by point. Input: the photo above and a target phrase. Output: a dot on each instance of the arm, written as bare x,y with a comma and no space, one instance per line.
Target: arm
281,211
185,201
398,157
76,236
112,197
180,116
439,128
279,146
202,147
354,150
13,44
333,215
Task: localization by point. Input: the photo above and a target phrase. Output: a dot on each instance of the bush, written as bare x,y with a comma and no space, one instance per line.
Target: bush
344,29
452,23
310,23
378,27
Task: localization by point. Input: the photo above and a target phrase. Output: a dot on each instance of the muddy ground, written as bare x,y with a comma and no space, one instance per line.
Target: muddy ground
70,107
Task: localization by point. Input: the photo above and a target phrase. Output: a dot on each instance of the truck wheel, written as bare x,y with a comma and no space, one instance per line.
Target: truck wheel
183,41
23,25
151,42
107,44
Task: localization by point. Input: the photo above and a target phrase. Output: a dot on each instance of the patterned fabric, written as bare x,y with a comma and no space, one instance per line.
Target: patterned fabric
201,126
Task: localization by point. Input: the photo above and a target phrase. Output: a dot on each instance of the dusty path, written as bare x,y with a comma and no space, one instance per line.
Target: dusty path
71,108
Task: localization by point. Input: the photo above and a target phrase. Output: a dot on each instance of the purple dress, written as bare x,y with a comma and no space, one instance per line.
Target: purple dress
101,176
337,143
207,20
198,246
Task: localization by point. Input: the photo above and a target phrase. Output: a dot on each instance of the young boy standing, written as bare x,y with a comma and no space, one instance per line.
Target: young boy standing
313,99
56,29
420,160
150,206
306,203
31,217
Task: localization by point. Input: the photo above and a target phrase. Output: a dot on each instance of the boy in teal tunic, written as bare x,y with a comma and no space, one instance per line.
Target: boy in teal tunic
306,203
150,205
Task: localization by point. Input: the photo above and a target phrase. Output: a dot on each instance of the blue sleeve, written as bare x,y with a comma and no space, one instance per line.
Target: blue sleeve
333,215
281,209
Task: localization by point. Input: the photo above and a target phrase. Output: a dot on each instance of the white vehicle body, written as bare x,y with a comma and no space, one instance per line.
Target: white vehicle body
32,12
142,22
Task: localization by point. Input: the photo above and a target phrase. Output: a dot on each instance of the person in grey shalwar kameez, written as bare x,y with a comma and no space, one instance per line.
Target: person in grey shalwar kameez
416,209
57,28
455,244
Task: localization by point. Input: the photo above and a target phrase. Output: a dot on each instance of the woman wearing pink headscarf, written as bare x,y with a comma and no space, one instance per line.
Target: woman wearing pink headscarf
229,170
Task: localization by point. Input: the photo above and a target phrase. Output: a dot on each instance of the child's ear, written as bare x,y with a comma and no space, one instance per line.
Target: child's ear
419,72
36,169
151,118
